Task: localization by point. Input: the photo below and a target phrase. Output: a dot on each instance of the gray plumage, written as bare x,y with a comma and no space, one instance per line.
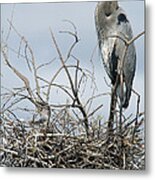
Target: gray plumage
111,20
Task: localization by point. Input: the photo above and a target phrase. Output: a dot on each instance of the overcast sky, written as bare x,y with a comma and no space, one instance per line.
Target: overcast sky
33,21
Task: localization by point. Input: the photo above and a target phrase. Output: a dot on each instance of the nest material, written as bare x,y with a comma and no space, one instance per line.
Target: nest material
70,138
25,146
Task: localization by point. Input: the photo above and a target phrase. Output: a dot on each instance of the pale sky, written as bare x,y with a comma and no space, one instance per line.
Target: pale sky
33,21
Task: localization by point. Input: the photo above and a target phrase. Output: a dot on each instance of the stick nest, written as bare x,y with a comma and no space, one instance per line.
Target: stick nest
25,145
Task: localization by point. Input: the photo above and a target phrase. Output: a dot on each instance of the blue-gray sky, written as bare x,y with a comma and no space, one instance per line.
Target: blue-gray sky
33,21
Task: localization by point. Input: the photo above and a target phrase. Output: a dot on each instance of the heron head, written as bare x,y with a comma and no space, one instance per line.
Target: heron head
108,7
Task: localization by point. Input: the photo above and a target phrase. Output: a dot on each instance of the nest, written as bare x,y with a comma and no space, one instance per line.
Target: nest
24,145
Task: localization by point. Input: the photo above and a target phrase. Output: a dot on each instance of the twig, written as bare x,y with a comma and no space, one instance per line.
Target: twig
81,108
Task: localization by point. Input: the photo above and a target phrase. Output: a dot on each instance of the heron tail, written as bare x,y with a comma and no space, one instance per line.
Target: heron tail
125,97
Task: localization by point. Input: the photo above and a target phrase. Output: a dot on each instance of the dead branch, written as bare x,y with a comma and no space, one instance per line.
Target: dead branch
71,134
76,100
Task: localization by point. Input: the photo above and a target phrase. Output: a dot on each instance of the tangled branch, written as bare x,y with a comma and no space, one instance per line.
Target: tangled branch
70,134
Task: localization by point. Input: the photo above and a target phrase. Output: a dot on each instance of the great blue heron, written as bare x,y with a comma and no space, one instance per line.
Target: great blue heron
112,23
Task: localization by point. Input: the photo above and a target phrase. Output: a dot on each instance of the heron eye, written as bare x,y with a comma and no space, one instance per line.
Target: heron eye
122,18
